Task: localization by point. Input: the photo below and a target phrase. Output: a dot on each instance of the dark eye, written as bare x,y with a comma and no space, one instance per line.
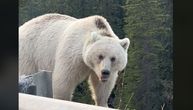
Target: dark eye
112,59
101,57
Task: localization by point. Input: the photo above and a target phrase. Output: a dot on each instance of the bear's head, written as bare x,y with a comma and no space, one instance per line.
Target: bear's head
105,55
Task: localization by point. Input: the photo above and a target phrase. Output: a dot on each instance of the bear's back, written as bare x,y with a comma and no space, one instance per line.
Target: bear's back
38,39
46,21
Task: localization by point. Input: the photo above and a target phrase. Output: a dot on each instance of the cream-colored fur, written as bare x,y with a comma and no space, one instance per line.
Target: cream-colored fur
70,47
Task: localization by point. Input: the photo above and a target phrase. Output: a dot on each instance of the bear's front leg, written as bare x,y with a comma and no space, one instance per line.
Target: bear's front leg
101,90
63,82
62,87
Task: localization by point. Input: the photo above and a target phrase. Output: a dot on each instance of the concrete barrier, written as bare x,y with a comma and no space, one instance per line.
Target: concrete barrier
32,102
36,84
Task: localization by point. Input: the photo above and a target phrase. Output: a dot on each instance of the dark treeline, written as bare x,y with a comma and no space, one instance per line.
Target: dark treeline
146,83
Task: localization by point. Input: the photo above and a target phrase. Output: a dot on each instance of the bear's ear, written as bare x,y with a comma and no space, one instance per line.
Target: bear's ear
94,37
125,43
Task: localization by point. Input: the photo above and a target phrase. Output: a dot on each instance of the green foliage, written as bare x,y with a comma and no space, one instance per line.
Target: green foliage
82,94
110,9
148,24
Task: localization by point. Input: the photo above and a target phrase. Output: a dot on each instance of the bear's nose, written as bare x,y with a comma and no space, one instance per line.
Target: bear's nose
105,72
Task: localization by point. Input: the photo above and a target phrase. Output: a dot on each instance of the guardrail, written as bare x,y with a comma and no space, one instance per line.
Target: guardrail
32,102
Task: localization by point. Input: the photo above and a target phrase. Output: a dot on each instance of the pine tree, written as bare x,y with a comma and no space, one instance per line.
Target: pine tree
150,64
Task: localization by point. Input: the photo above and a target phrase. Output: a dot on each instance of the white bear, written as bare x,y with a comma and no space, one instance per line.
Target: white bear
74,49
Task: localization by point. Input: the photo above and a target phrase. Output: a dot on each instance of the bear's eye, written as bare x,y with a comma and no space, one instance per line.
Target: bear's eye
112,59
100,57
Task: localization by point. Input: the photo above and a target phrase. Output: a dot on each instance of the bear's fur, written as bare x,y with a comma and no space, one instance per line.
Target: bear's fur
73,49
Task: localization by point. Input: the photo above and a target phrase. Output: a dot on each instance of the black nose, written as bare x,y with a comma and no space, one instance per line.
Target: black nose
105,72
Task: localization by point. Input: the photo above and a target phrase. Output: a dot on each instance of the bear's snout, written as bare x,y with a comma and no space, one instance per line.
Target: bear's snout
105,72
105,75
